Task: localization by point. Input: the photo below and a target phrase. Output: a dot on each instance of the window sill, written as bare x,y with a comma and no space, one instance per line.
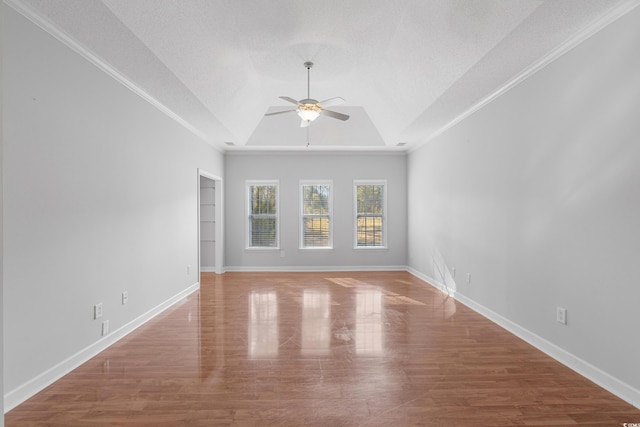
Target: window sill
327,249
262,249
370,248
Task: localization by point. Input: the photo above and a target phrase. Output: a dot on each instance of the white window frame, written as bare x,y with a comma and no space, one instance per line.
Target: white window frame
248,185
357,183
302,216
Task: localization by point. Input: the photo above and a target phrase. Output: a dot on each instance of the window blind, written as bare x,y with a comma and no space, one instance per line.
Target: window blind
370,215
316,216
263,219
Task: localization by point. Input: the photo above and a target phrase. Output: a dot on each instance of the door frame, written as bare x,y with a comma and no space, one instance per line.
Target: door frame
219,218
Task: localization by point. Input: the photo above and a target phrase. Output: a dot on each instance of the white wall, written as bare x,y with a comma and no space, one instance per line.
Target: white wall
100,196
289,169
1,228
537,195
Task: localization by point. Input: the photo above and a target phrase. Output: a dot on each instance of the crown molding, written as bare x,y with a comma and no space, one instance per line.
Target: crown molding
53,30
599,24
303,149
591,29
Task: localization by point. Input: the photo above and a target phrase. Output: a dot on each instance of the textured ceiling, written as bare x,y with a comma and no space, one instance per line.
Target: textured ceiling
406,68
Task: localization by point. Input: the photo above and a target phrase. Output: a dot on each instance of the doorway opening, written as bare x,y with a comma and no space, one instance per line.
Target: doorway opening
210,236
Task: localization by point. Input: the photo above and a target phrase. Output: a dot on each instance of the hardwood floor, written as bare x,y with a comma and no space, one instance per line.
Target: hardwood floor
321,349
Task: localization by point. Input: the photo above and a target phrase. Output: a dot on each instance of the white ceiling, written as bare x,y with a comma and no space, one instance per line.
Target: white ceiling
406,68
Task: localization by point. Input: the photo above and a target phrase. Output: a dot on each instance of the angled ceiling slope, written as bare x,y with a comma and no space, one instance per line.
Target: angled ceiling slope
407,69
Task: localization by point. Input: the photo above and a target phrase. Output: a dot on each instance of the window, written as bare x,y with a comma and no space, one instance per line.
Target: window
262,219
316,222
370,210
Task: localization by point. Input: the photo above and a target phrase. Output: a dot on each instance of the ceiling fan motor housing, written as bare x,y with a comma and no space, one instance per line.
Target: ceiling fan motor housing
310,103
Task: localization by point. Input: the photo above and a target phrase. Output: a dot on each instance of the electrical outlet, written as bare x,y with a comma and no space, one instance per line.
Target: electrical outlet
561,315
125,297
105,327
282,254
469,278
188,270
97,311
453,272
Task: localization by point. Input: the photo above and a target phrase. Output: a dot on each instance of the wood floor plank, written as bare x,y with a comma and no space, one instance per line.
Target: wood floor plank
347,348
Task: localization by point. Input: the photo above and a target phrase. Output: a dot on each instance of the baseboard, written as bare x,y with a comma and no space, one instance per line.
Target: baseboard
587,370
207,269
37,384
430,280
598,376
313,268
610,383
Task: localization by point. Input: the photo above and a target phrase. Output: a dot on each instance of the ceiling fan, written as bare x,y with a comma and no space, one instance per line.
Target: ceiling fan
310,109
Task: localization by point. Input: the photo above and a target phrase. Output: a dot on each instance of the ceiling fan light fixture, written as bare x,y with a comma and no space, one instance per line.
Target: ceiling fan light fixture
309,109
308,115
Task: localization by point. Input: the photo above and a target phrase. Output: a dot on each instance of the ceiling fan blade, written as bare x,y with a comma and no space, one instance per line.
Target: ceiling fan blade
304,123
291,100
335,115
279,112
331,102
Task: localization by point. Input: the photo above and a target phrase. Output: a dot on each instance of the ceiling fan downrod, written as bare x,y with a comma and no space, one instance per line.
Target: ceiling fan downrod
308,66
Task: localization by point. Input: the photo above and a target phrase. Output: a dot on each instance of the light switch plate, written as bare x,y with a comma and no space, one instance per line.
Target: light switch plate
97,311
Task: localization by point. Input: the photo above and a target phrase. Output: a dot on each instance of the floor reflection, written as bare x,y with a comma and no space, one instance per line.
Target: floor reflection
397,355
448,306
316,322
263,324
369,322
